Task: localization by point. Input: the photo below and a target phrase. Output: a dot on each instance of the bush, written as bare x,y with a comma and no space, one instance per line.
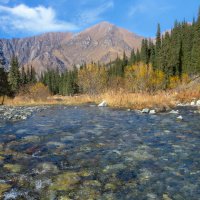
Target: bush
92,79
37,91
142,78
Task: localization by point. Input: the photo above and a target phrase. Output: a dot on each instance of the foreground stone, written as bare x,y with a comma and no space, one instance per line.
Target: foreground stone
103,104
145,110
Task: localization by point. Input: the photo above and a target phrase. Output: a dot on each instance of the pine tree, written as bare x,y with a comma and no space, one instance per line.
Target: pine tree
32,75
132,59
158,48
23,76
4,87
14,75
145,52
138,59
196,47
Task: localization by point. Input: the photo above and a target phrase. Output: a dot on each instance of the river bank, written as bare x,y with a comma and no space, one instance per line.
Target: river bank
159,102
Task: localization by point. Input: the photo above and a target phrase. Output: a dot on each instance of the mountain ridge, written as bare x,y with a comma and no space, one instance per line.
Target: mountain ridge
102,42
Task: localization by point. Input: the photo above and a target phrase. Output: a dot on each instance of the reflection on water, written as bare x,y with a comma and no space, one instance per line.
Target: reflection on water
91,153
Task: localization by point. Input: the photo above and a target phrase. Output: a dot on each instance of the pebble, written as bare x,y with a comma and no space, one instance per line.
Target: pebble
18,113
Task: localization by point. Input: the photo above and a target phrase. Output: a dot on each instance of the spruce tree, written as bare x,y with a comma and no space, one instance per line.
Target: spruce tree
158,48
132,59
23,76
14,75
32,75
195,60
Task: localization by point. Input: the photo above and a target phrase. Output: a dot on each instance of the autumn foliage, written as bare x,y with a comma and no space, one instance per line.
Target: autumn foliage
92,79
142,78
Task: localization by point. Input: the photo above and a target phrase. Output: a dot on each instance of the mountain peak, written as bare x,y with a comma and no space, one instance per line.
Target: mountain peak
101,42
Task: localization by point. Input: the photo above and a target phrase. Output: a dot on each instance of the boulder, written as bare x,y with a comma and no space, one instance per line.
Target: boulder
180,117
152,112
145,110
192,103
198,103
103,104
174,112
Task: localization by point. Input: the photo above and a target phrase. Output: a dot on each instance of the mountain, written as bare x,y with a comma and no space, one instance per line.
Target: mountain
102,42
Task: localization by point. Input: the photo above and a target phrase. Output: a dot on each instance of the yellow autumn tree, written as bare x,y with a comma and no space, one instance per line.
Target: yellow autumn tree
142,78
175,81
92,79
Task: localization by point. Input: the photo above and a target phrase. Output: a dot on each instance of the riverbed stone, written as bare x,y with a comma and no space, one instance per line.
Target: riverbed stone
110,186
166,197
139,154
31,138
92,183
46,167
3,188
65,181
14,168
114,167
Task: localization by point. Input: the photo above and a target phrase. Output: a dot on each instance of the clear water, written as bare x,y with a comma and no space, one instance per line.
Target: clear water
92,153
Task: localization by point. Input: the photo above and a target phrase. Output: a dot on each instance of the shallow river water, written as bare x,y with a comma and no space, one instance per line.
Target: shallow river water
90,153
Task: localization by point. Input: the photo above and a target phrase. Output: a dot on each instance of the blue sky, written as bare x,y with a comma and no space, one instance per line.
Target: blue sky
22,18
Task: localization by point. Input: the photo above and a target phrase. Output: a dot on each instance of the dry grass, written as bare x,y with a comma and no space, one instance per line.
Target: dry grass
187,95
118,99
114,99
138,100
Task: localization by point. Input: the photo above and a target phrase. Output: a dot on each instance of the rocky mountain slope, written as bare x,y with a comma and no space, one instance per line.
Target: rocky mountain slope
102,42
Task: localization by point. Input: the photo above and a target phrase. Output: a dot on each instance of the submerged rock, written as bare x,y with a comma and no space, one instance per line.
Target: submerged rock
92,183
114,167
139,154
66,181
14,168
46,167
3,188
166,197
56,144
110,186
31,138
64,198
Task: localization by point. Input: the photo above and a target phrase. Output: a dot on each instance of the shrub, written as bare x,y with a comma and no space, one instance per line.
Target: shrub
37,91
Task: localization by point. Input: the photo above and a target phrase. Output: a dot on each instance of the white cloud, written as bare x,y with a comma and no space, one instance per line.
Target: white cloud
89,16
34,20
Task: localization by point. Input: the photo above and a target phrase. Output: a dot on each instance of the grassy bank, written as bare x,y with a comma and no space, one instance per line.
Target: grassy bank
121,99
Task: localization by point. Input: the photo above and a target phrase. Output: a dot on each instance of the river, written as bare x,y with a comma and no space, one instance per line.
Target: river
100,153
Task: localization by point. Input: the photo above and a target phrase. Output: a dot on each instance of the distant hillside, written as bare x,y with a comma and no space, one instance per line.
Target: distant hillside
102,42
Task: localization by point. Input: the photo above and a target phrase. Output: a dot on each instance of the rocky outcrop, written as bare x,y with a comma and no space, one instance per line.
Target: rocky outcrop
102,42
